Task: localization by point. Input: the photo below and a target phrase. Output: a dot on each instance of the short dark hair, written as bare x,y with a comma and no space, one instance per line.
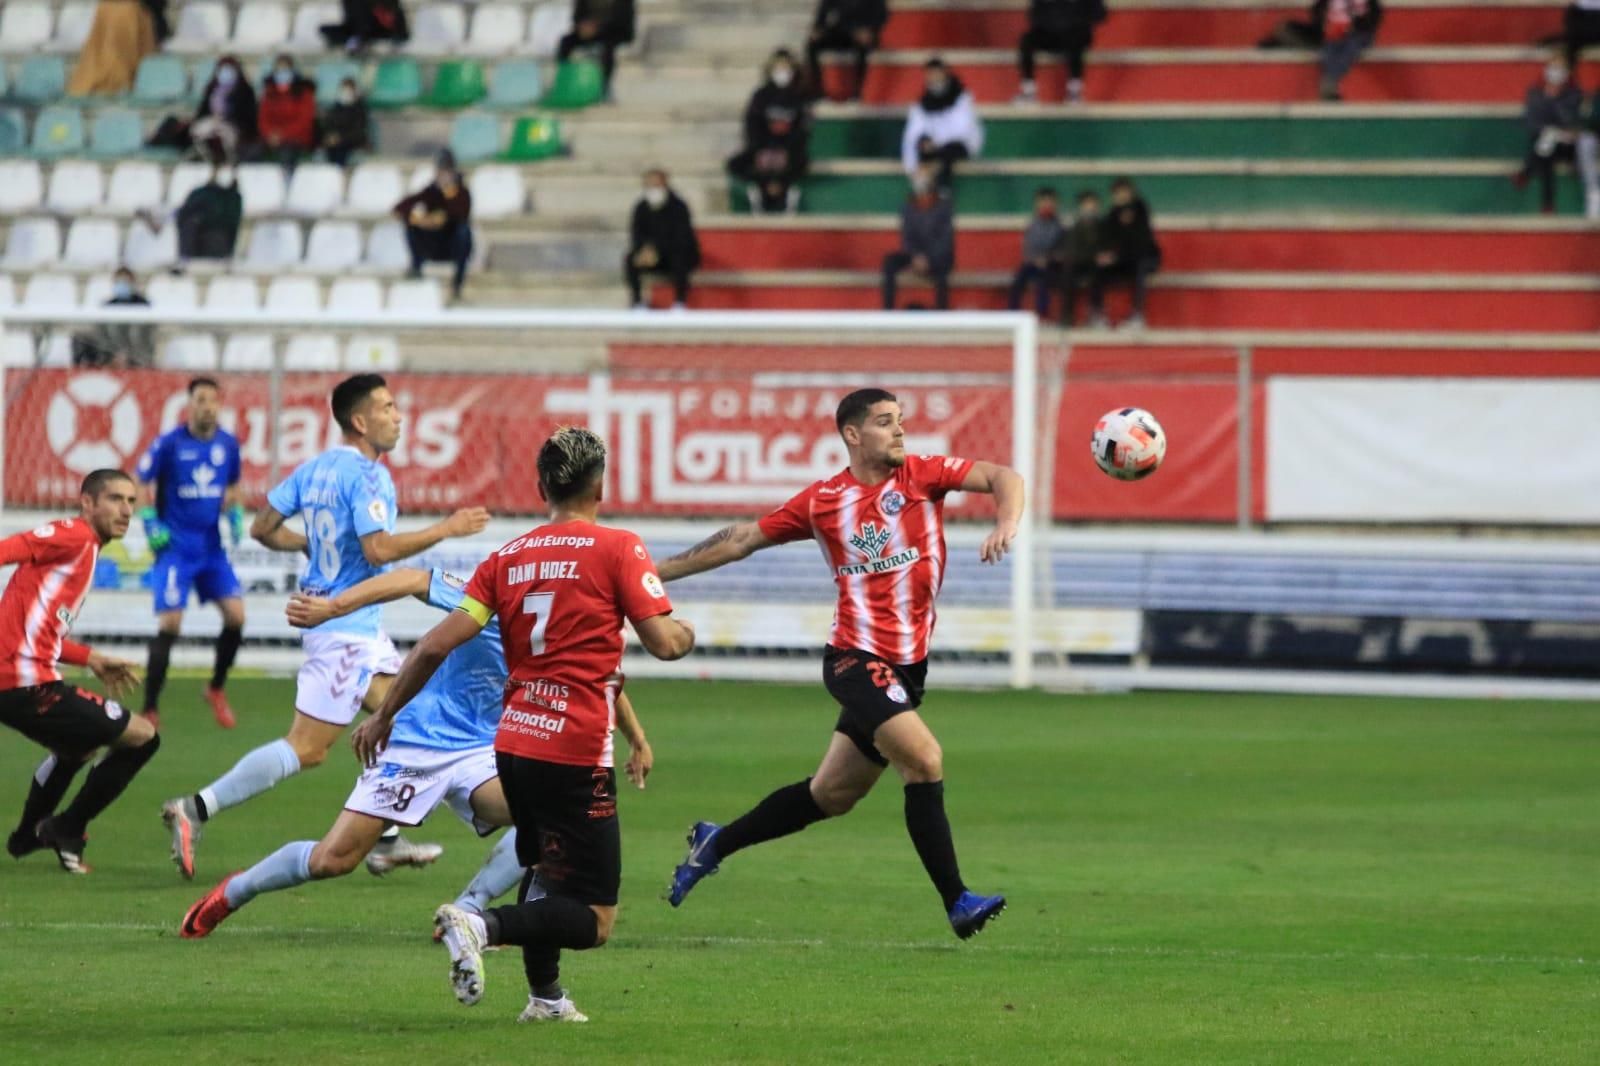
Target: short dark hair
934,64
1123,182
1044,191
97,480
203,382
570,463
350,394
854,407
1087,194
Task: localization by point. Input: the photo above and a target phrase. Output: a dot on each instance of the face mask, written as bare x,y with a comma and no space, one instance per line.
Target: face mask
1554,75
937,86
283,77
347,96
782,76
121,290
921,186
226,76
655,196
225,178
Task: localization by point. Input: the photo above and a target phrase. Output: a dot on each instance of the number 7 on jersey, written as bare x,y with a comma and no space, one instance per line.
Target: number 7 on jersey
538,604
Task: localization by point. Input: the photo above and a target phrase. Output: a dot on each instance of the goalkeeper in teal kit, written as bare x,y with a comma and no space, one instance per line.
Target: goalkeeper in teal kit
190,480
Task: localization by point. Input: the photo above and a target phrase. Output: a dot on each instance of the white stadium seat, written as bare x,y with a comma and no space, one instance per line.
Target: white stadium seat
421,177
263,26
75,187
97,291
294,295
437,29
201,27
248,351
498,192
147,249
273,246
262,187
190,351
415,297
316,190
355,296
8,292
233,294
386,247
24,25
308,22
371,353
72,25
496,30
93,242
374,189
32,242
55,291
311,351
550,22
333,247
186,178
135,185
16,349
172,294
21,186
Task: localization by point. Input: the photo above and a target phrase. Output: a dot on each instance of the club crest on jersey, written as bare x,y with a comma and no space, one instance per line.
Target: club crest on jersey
891,503
871,540
379,511
218,456
897,693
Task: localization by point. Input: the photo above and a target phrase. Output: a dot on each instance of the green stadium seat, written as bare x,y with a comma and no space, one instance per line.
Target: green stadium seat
534,139
4,84
474,137
41,80
13,131
514,85
161,79
58,131
457,83
201,76
329,74
579,83
397,83
116,132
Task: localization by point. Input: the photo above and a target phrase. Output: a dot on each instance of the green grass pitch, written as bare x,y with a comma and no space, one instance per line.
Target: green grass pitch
1193,879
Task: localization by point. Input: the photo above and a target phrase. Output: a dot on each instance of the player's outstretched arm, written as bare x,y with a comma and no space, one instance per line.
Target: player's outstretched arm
270,531
640,757
460,626
308,612
665,637
382,547
726,545
1009,493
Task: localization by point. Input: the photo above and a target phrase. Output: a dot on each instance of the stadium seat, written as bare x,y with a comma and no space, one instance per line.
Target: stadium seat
514,84
56,291
333,246
533,139
550,22
249,351
371,353
190,351
496,30
72,26
21,186
40,80
457,83
135,185
24,26
273,246
202,27
57,350
93,242
308,22
58,131
315,190
5,86
330,73
147,249
498,192
579,83
437,29
116,132
8,292
421,176
233,295
293,296
374,189
354,296
75,187
386,248
32,243
474,137
96,291
162,79
16,349
415,297
312,351
168,293
200,75
13,131
396,83
263,188
263,26
186,178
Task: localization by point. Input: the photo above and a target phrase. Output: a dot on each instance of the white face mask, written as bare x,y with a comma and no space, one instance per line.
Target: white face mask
921,185
347,96
1555,75
655,196
782,76
225,178
226,76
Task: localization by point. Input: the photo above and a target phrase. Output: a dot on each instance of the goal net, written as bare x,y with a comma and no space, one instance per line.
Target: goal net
708,418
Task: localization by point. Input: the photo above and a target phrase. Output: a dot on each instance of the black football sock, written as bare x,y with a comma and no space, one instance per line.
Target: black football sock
543,967
930,832
788,810
155,671
105,783
50,782
552,922
228,642
200,807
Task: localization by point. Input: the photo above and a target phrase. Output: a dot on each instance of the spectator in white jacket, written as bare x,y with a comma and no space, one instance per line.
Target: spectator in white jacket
943,125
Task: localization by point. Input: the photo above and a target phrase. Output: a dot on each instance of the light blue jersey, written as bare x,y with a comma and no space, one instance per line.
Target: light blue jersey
342,496
460,705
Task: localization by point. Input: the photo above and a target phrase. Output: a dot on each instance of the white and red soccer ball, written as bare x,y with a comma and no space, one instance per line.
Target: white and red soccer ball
1128,443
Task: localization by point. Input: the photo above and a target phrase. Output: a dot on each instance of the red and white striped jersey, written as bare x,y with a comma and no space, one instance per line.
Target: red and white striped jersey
54,572
885,545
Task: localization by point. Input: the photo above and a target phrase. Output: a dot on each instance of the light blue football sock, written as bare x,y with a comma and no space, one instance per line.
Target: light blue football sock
290,865
499,874
251,776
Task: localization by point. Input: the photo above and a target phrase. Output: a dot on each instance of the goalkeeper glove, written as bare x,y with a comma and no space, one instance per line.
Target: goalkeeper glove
156,534
236,523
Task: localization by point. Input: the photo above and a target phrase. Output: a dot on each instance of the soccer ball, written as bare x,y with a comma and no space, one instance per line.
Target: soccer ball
1128,443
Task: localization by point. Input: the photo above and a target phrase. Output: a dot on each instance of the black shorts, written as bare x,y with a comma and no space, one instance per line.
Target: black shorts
566,819
870,691
62,717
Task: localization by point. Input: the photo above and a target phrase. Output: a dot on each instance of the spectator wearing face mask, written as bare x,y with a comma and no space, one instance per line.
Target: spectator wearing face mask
226,119
1058,26
661,240
439,223
852,26
927,240
117,344
943,126
366,21
1552,112
1130,253
345,125
287,119
1041,254
208,219
604,25
1084,243
776,136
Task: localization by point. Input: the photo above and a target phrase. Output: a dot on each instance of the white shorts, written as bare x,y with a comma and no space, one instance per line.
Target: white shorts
409,782
338,668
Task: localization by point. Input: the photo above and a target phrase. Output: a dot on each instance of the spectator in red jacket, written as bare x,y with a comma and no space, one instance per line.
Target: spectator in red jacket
287,117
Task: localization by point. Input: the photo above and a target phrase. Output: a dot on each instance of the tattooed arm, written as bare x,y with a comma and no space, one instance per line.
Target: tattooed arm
726,545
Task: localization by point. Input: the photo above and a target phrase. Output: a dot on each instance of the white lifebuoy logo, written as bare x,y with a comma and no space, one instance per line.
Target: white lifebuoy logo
67,409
